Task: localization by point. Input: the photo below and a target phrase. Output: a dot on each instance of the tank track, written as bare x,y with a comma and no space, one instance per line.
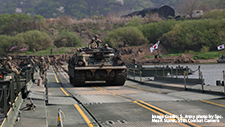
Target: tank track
120,78
79,78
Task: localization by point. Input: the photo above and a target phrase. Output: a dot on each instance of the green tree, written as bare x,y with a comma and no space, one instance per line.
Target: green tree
194,35
34,39
153,31
6,43
67,39
127,35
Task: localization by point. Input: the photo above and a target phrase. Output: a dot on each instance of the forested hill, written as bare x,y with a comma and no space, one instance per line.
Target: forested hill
79,8
89,8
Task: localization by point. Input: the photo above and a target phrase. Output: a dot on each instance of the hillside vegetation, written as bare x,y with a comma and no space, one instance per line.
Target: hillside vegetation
79,8
188,35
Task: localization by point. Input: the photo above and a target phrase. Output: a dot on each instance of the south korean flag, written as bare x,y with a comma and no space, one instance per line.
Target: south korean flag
220,47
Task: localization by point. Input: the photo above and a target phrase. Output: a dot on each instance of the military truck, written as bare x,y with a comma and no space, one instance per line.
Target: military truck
97,64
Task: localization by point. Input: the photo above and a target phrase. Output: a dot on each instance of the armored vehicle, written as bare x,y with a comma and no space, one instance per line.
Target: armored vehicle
97,64
221,59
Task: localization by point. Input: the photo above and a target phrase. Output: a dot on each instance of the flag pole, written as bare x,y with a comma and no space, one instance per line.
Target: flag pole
17,53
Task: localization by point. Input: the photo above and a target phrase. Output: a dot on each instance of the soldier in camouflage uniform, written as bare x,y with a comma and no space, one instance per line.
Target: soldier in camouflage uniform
48,61
134,61
92,44
43,68
97,41
9,67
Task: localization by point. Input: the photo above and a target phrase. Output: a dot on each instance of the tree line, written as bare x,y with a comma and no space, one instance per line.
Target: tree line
177,36
182,35
26,31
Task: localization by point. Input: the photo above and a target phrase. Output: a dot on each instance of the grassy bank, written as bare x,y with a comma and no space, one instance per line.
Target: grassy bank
48,51
198,55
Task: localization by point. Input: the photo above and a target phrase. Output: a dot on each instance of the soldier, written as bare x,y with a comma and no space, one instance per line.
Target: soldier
97,41
43,68
34,50
106,48
47,59
92,44
65,55
9,67
134,61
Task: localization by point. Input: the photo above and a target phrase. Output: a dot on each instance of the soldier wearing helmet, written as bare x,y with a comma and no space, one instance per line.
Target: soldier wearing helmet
106,48
97,41
134,61
92,44
42,67
9,67
48,61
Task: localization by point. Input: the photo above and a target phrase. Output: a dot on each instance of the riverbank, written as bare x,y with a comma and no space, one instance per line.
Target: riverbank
143,56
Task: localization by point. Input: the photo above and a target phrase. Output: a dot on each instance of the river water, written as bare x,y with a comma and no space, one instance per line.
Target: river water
211,72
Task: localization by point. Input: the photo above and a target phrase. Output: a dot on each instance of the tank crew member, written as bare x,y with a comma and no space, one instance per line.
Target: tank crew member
80,51
92,44
106,48
42,67
9,67
97,41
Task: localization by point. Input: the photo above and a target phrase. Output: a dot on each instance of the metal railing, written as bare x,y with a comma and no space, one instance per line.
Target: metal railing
137,72
11,88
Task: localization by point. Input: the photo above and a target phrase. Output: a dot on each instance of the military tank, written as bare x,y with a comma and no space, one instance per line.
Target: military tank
97,64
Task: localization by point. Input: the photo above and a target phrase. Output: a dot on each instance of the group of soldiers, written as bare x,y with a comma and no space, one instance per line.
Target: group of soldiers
43,64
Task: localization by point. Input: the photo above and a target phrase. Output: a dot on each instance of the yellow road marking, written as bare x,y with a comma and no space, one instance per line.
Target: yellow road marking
17,97
119,95
56,79
84,116
9,110
64,91
97,88
52,70
145,89
100,89
167,112
3,122
159,113
213,103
